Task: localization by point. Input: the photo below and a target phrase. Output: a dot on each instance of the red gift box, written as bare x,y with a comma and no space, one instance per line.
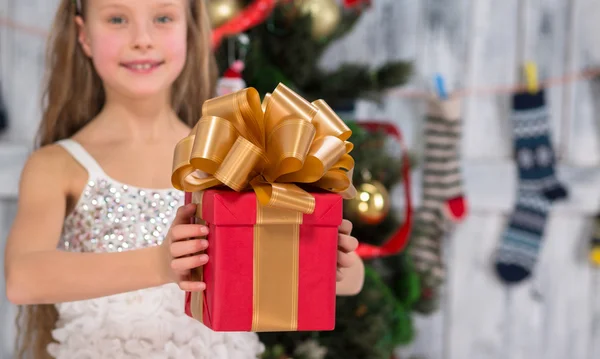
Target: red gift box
273,245
288,284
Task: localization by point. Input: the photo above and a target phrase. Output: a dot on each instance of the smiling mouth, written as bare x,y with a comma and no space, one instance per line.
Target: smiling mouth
142,67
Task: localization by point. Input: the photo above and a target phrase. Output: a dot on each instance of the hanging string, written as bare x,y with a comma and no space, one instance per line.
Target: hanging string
403,92
502,89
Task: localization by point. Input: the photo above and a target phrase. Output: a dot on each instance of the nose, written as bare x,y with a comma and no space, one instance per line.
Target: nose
142,36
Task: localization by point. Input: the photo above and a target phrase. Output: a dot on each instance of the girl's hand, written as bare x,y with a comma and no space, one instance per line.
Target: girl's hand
346,245
182,247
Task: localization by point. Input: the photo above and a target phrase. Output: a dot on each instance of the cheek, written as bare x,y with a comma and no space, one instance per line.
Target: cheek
175,48
106,48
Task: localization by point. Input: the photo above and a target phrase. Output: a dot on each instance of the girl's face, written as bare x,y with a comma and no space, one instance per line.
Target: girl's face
138,47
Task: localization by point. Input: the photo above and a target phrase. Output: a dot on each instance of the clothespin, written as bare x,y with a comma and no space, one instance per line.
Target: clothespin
531,77
441,89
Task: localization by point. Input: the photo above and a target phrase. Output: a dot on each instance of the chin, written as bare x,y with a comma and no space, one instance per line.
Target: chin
141,91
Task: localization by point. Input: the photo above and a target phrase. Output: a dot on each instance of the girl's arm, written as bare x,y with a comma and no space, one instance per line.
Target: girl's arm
37,273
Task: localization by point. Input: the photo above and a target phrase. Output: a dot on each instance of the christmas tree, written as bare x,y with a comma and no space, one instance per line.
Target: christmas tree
288,45
287,48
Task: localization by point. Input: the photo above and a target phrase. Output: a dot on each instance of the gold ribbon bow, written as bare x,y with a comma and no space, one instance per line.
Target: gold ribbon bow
270,147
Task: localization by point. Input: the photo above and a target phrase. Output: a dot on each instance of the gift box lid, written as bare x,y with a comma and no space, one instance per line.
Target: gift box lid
230,208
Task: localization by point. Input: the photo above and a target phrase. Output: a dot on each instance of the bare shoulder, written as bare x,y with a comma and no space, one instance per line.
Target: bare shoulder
49,166
48,158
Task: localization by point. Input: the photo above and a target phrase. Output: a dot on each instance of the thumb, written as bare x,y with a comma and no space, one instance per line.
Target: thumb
184,213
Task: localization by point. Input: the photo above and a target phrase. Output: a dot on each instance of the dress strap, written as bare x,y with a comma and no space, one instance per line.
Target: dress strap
82,156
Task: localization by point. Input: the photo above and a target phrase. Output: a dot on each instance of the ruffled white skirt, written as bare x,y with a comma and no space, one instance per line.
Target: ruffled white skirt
149,324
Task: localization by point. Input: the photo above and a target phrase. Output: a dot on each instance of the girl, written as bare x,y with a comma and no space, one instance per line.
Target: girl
97,252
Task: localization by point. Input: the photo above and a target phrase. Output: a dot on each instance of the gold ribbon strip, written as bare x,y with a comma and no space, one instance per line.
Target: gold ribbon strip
276,276
270,147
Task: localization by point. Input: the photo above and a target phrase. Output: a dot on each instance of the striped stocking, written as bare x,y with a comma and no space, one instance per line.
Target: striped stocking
443,197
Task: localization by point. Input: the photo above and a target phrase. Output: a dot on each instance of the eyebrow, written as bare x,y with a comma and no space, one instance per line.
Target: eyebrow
168,3
164,3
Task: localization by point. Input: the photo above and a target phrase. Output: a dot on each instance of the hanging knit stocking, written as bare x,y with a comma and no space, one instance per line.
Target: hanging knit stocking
442,178
443,195
538,188
533,146
426,252
522,239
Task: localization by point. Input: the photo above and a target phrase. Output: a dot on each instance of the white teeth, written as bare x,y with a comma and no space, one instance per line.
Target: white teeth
141,66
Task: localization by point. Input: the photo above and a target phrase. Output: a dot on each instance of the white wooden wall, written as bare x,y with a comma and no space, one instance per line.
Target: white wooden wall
474,44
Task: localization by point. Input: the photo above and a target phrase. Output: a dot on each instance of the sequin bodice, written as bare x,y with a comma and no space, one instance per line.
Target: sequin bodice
150,323
113,217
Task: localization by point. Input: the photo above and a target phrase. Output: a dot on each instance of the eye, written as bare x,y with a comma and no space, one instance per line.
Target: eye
164,19
116,20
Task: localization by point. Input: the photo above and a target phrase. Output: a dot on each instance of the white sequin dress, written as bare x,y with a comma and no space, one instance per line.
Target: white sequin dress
151,324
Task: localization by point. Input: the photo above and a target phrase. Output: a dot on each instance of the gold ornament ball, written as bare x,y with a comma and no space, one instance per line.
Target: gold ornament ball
371,204
326,15
221,11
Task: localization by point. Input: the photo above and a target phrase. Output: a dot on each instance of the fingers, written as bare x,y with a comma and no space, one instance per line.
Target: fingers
184,214
184,248
345,260
345,227
339,275
189,286
347,243
183,264
187,231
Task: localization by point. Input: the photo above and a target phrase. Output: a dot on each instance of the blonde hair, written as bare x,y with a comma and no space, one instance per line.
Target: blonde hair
74,95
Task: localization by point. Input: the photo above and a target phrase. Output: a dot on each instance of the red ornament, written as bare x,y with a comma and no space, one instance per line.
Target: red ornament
253,15
352,4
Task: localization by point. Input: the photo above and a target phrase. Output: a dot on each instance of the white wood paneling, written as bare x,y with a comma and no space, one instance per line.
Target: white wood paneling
473,44
477,313
566,314
491,61
582,111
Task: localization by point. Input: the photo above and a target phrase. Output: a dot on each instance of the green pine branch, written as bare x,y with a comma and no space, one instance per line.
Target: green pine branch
351,82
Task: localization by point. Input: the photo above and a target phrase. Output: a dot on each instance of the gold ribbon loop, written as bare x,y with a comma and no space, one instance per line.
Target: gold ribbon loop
349,146
288,146
285,103
324,154
236,170
181,162
242,143
243,110
209,152
283,195
329,124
